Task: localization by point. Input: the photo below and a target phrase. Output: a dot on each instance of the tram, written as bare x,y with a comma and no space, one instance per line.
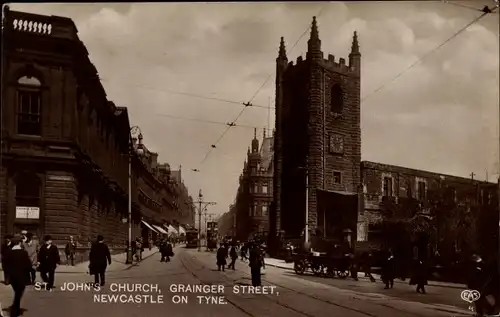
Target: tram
192,238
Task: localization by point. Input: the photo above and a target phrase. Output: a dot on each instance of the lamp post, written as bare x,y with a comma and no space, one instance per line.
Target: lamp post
306,230
139,151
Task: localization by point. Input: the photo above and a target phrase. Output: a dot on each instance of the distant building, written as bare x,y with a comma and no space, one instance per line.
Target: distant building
254,195
317,141
185,209
65,146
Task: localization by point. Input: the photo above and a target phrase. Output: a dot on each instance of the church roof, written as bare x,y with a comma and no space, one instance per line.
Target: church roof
267,153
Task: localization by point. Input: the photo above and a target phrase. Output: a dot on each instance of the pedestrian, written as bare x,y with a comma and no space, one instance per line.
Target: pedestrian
243,253
221,257
354,265
31,247
388,271
100,258
163,250
419,276
133,247
150,244
368,263
6,247
19,265
138,249
48,259
255,259
169,252
70,251
234,256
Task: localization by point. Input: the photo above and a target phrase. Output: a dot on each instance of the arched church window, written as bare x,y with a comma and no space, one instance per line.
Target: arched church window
29,99
337,99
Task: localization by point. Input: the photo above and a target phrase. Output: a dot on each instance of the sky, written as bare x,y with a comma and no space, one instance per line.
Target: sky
441,115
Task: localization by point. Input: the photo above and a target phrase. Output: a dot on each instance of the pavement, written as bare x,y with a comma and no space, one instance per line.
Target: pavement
157,284
118,263
289,266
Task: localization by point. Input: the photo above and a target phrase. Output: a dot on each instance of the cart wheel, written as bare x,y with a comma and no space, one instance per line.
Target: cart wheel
317,269
299,267
330,272
343,274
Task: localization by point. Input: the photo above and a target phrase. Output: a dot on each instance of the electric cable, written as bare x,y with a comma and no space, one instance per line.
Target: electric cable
206,121
249,103
421,58
190,95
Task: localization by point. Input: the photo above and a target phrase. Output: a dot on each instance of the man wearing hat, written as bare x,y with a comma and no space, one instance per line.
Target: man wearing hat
48,259
5,251
31,247
19,265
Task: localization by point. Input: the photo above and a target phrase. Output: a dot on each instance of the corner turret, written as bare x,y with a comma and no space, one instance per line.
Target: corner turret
255,142
314,43
355,55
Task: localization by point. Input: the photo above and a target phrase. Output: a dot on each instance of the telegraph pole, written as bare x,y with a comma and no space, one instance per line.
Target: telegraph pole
201,206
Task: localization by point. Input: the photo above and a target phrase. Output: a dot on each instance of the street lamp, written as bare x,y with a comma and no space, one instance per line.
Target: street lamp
139,151
306,233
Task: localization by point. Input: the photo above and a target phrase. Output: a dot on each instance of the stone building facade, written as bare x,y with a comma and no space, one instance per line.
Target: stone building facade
317,150
388,186
318,135
254,196
65,146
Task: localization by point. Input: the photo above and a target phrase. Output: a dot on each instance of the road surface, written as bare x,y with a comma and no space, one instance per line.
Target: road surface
292,297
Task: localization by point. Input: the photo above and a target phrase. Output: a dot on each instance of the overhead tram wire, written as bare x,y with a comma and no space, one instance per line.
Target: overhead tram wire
420,59
249,103
206,121
190,95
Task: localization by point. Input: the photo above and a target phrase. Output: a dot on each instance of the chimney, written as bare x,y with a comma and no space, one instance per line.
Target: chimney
154,160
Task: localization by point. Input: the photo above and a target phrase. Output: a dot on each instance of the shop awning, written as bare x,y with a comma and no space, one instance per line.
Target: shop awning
171,229
182,230
149,226
160,229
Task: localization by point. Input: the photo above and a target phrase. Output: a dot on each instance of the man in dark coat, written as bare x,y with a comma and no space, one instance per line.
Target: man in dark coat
163,250
389,271
419,276
169,251
6,247
255,259
233,254
70,251
19,265
221,257
48,259
100,258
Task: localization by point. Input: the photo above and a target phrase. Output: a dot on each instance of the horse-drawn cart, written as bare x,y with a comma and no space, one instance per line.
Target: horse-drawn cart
322,264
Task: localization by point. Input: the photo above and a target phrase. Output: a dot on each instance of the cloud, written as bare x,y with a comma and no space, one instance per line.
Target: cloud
440,115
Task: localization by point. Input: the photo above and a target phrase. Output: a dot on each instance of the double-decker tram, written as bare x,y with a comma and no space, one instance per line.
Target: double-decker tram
192,238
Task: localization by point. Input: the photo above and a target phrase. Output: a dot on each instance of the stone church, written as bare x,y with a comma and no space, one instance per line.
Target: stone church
317,154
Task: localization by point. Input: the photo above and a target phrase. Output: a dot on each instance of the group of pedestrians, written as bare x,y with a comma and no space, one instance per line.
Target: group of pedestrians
256,258
22,256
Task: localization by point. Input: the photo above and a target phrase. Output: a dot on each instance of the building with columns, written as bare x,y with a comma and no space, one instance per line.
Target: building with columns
317,159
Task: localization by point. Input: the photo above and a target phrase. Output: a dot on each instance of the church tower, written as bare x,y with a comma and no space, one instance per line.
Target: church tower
317,134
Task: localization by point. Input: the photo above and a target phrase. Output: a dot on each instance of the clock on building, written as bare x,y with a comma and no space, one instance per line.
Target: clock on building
337,144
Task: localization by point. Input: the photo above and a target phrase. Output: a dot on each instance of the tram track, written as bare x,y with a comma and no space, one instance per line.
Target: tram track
322,300
277,302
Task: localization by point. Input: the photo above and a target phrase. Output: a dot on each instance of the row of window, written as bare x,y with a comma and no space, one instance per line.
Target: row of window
259,209
388,188
259,188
